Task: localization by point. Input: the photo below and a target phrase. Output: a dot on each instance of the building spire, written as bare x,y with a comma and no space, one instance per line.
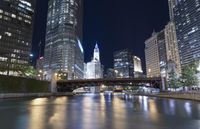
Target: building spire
96,55
96,46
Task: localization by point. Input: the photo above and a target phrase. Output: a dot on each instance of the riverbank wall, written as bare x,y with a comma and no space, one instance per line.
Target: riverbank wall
12,84
19,87
195,96
27,95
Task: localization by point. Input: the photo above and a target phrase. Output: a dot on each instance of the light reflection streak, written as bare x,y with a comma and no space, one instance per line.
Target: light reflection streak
153,110
188,109
119,113
143,100
88,115
58,119
37,113
172,106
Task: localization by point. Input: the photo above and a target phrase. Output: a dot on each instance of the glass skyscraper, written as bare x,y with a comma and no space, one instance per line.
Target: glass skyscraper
126,65
63,48
16,25
187,21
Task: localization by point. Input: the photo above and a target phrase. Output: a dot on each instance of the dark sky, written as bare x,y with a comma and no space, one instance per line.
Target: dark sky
114,24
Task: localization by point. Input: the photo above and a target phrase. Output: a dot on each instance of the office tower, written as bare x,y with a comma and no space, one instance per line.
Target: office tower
171,4
172,46
110,73
93,69
138,72
124,64
63,48
16,26
152,56
162,50
186,18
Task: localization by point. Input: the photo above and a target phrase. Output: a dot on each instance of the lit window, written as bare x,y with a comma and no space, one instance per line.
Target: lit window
27,21
0,16
13,55
20,18
0,36
13,60
3,58
13,16
1,11
8,34
25,2
7,13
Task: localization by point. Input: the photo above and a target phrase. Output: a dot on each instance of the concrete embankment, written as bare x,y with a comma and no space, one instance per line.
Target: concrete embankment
25,95
185,96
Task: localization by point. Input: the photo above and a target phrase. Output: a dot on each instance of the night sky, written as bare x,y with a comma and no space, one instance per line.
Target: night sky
114,24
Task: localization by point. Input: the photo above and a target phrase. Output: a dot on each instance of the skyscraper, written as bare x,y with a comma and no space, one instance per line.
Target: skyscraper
16,26
172,51
126,65
138,72
162,50
152,56
63,49
171,4
186,18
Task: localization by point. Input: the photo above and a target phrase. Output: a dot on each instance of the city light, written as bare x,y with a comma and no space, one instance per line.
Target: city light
145,75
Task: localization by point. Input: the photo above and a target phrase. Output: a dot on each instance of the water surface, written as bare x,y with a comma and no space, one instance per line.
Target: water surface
99,112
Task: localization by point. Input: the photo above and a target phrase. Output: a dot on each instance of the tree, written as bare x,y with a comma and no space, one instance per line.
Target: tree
174,80
30,72
189,77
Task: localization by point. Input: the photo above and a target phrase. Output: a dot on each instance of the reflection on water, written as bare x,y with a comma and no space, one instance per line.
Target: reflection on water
99,112
37,113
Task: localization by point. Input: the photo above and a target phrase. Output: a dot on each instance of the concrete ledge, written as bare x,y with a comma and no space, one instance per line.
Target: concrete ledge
24,95
184,96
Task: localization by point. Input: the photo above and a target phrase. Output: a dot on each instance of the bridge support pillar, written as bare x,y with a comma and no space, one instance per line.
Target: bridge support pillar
53,84
163,84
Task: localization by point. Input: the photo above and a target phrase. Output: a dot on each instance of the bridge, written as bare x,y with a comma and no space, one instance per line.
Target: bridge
70,85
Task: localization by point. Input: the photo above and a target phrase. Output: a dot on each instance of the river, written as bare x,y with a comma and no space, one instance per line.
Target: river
91,111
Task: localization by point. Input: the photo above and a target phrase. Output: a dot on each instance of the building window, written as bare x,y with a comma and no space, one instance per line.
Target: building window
13,16
8,34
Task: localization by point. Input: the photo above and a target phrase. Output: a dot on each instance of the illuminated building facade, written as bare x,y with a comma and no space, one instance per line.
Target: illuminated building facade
110,73
161,50
16,26
138,72
171,4
93,69
152,56
63,48
186,18
126,65
172,51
